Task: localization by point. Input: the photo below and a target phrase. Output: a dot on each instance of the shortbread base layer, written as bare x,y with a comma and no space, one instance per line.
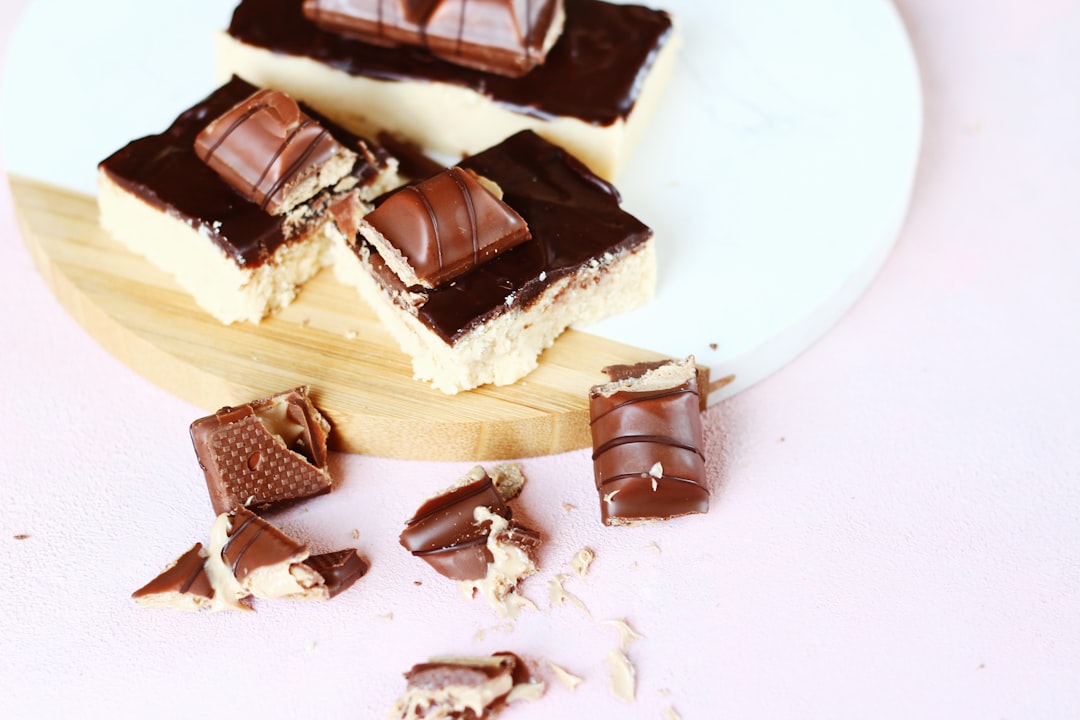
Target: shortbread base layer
218,284
441,117
507,347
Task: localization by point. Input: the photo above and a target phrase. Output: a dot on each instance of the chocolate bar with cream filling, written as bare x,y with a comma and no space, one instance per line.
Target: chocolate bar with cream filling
272,152
183,585
465,687
265,453
648,449
496,36
435,230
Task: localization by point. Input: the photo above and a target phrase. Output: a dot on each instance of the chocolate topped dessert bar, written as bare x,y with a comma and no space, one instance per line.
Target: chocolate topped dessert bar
591,94
241,197
648,451
586,259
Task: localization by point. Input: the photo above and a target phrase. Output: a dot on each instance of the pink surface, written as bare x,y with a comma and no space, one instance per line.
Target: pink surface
895,529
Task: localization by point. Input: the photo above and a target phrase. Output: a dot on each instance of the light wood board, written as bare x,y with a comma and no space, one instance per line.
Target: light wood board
327,339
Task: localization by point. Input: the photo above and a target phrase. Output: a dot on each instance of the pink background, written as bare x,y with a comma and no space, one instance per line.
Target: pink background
895,529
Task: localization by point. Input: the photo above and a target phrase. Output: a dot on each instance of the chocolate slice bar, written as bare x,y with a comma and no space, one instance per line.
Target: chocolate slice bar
587,259
648,457
273,153
504,37
183,585
238,261
440,228
265,453
465,688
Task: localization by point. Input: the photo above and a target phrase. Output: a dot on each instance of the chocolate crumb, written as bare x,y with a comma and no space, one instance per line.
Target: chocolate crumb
22,536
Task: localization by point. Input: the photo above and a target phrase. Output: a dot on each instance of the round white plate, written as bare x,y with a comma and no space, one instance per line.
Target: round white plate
777,173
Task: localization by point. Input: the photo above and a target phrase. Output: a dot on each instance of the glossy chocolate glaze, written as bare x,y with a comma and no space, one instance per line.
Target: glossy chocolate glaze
254,543
594,72
165,172
573,215
648,460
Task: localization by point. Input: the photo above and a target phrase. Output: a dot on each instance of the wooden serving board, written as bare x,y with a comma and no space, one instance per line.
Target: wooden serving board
327,339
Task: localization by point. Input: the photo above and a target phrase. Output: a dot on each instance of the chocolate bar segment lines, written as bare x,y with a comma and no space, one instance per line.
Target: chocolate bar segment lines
436,230
265,147
648,457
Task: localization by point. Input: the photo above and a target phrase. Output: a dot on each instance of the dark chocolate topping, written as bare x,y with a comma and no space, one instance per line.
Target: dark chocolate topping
446,225
648,460
573,215
264,145
499,36
338,569
165,172
594,71
186,576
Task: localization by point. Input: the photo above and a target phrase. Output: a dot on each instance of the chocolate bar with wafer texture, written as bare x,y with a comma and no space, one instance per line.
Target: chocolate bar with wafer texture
648,449
465,687
265,453
497,36
272,152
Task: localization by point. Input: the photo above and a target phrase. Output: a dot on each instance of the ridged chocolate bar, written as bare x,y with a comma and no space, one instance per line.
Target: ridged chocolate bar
648,457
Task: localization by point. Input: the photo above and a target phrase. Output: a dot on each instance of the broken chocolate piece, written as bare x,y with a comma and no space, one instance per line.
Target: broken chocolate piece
183,585
648,457
273,153
339,569
468,688
445,534
512,548
265,453
438,229
496,36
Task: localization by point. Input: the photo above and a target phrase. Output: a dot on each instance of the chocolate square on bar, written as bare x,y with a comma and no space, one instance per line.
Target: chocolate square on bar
648,457
272,152
503,37
441,228
264,453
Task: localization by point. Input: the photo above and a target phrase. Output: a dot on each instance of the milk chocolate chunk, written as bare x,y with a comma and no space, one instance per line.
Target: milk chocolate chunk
273,153
468,688
504,37
438,229
183,585
338,569
648,457
444,531
264,453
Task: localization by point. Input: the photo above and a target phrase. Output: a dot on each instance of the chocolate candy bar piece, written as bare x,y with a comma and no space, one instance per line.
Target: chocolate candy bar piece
504,37
338,569
468,688
264,453
648,457
273,153
444,531
183,585
438,229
